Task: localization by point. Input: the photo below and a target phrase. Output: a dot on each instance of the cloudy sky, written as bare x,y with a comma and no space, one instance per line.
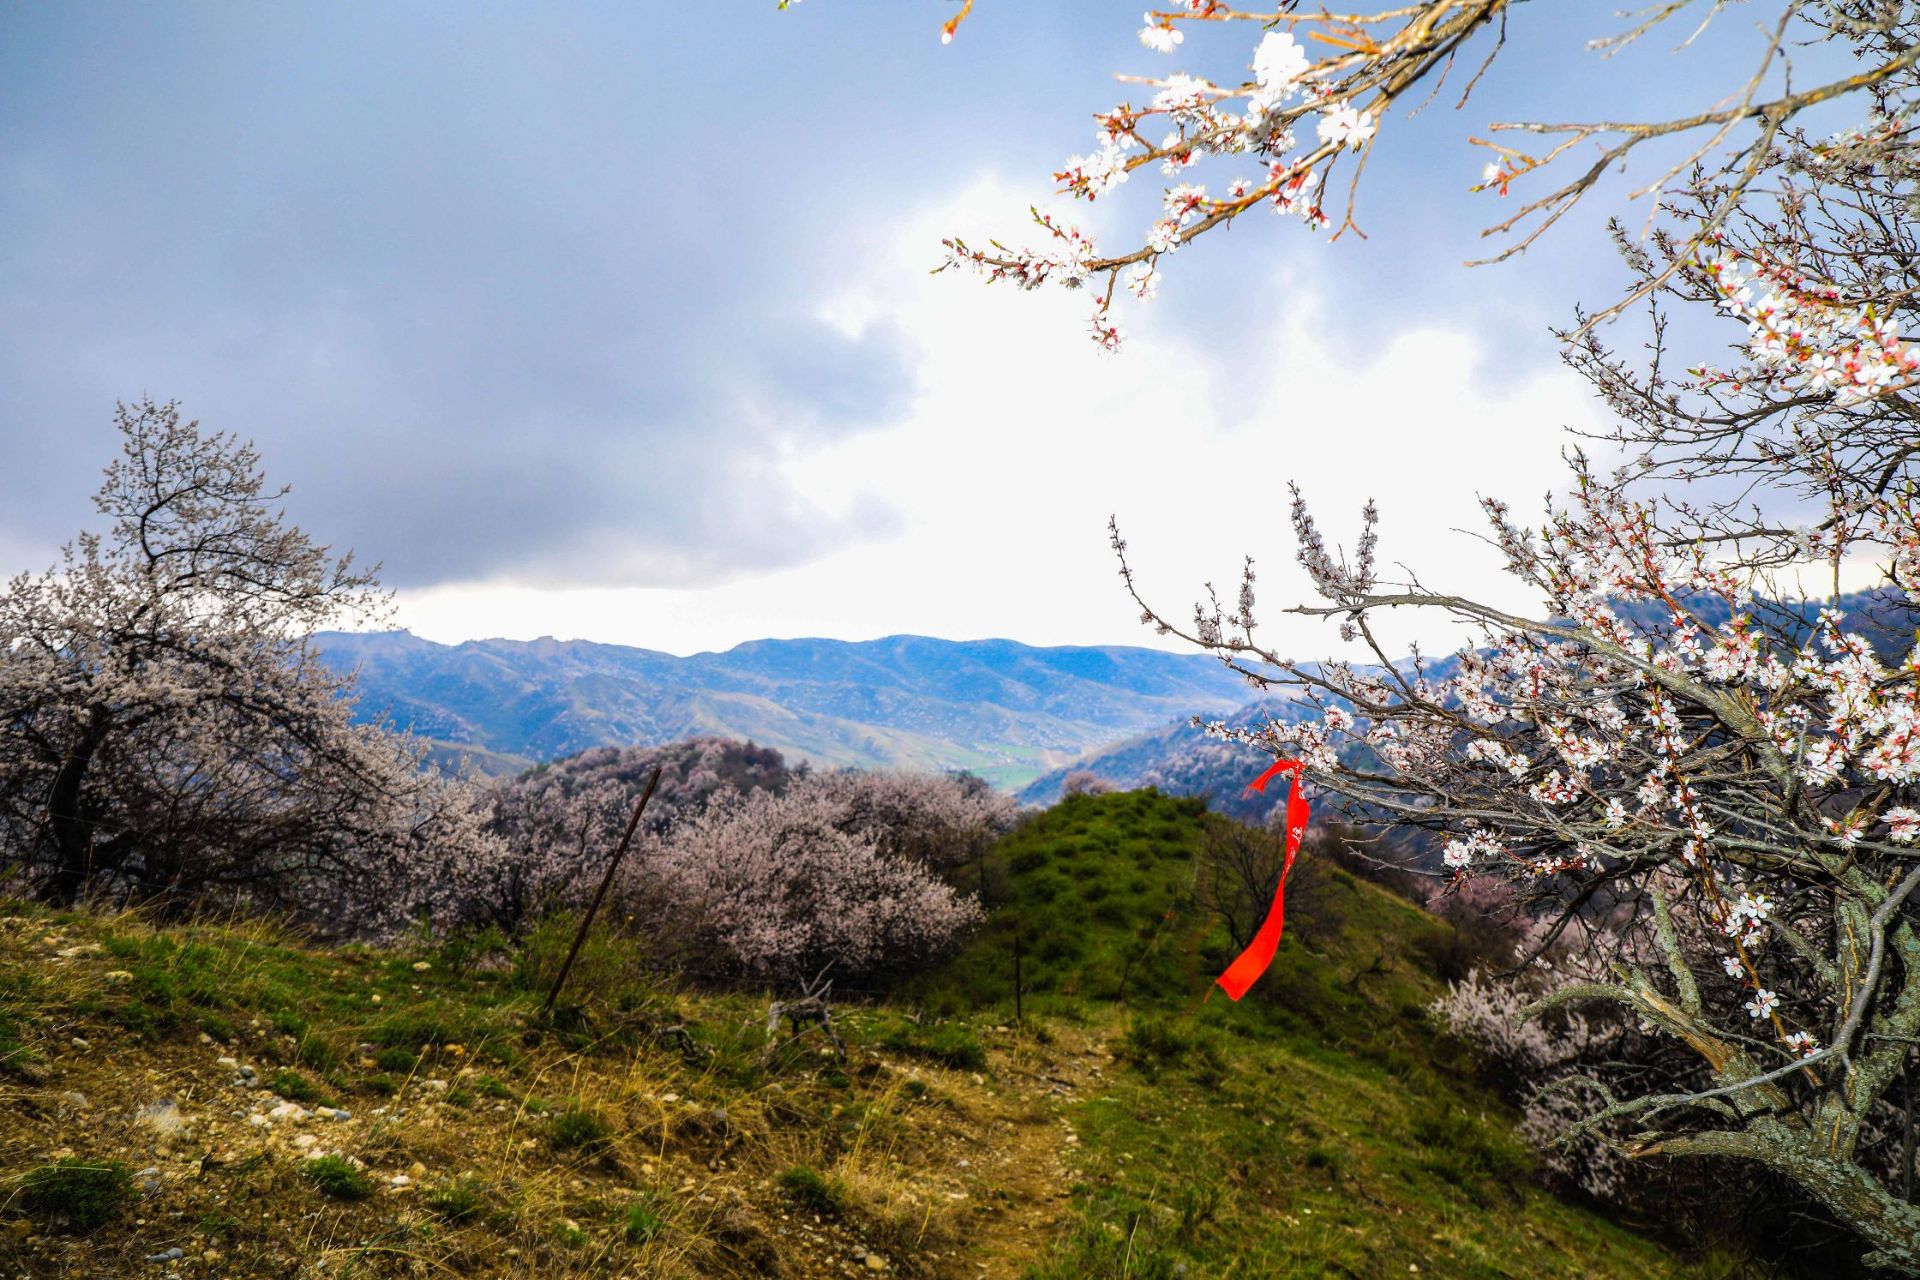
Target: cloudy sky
615,321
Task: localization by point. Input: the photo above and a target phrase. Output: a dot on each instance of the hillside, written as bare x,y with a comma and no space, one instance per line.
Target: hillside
1180,760
1006,711
1317,1128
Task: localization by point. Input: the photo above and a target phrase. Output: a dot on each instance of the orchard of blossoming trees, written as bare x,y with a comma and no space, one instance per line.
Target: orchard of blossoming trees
168,738
1711,797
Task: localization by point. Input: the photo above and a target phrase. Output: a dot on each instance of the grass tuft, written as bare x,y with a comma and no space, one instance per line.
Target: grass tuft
77,1194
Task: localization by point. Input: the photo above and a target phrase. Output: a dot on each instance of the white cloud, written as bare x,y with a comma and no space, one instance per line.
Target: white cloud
1023,438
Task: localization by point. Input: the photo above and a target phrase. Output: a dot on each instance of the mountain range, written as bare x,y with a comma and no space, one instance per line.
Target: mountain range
1009,712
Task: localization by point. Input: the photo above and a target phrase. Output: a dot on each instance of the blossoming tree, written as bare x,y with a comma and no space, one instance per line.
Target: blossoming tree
1729,781
1290,129
166,733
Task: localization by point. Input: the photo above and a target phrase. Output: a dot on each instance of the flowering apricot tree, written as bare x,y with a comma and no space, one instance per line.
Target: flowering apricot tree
1291,128
168,735
1729,782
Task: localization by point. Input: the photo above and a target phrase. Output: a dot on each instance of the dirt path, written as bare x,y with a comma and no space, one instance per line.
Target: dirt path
1021,1164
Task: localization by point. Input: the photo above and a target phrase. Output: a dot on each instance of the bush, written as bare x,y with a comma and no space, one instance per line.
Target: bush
336,1178
77,1194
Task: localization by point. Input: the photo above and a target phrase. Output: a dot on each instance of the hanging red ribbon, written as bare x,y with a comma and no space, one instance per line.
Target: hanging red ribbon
1253,962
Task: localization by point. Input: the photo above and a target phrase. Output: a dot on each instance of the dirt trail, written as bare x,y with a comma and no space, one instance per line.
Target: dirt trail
1022,1161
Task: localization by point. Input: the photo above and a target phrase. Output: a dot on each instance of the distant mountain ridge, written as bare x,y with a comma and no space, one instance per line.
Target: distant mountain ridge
1007,711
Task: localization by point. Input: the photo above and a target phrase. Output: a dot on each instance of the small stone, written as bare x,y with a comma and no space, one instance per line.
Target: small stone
421,966
417,1170
171,1255
74,1100
305,1140
669,1097
231,1064
119,976
876,1263
79,1043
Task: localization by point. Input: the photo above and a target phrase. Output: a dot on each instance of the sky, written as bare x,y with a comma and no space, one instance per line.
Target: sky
617,321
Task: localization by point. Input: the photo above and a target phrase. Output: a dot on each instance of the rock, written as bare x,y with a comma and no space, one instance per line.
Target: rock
171,1255
421,966
231,1064
79,1043
876,1263
74,1100
84,949
119,977
417,1170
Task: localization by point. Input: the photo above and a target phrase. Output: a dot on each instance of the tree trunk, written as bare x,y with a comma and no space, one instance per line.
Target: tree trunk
1883,1220
71,829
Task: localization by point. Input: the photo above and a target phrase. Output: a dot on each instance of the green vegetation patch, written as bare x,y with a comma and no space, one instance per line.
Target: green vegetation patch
77,1194
811,1191
336,1178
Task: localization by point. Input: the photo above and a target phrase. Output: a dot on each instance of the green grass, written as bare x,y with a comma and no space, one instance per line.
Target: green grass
1317,1127
642,1223
295,1087
336,1178
811,1191
461,1201
75,1194
579,1130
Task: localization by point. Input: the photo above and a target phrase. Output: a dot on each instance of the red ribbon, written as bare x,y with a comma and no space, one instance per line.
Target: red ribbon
1253,962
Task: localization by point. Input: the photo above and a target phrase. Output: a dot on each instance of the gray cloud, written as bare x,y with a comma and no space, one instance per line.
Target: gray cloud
481,331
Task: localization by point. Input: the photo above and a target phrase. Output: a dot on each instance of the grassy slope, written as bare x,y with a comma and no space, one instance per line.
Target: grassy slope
1316,1128
1309,1131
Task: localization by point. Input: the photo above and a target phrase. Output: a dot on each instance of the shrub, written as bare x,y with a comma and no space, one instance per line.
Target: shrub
77,1194
336,1178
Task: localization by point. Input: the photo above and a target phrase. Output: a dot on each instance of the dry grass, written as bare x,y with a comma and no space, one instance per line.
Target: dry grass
496,1146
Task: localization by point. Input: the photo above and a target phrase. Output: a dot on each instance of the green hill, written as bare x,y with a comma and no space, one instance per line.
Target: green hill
1123,1128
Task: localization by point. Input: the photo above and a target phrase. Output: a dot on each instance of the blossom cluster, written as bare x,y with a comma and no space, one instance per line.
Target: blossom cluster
1804,335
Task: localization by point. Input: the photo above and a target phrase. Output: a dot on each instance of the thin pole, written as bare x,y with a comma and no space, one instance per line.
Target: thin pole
586,921
1019,1014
